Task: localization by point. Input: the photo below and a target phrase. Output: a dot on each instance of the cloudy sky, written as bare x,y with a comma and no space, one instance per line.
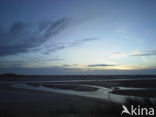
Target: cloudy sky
56,37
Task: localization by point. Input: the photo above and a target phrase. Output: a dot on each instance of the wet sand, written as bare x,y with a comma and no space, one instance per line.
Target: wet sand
26,103
70,87
30,103
140,93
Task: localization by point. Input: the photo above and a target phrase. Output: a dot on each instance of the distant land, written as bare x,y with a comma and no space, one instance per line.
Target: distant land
11,75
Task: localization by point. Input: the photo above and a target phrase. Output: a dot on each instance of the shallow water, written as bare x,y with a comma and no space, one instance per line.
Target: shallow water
133,88
101,93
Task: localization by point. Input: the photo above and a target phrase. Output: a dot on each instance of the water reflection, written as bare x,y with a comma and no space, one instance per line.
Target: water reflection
101,93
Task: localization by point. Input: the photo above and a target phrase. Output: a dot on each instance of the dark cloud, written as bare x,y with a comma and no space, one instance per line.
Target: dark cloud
7,64
148,71
59,46
27,61
101,65
66,65
25,37
139,53
87,39
81,41
150,53
22,37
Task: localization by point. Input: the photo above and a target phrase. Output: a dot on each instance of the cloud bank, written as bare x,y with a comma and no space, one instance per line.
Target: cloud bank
101,65
75,71
148,53
137,53
27,37
22,37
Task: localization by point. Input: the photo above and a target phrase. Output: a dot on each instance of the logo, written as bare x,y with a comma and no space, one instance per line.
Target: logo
137,110
125,110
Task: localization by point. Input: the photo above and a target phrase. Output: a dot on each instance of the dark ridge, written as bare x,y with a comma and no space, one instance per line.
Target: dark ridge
12,75
9,75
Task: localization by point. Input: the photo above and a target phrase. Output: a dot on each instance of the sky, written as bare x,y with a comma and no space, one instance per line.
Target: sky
78,37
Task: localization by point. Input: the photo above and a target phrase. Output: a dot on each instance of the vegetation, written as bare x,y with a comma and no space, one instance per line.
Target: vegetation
99,110
108,110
